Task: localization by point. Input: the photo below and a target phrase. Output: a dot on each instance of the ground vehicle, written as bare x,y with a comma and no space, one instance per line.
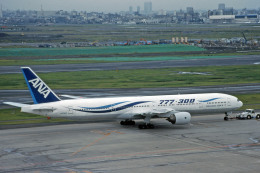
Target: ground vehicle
248,114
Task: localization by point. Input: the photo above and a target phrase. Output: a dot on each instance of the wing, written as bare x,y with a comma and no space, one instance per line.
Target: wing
153,113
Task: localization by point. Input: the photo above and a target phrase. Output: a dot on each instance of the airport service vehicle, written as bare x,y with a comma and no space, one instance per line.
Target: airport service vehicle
176,109
248,114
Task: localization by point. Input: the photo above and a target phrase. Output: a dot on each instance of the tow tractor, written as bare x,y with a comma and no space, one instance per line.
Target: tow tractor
247,114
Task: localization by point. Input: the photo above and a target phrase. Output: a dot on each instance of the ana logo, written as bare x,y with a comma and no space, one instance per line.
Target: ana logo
42,89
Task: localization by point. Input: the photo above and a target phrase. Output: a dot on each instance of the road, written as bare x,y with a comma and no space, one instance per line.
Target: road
236,60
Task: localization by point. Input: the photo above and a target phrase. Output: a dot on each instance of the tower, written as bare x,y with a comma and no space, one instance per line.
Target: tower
148,7
131,9
221,6
190,10
1,11
42,12
138,10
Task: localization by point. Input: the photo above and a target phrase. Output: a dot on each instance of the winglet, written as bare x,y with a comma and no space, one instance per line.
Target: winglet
40,92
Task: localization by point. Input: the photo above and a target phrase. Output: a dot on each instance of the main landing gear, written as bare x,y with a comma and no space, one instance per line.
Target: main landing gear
146,125
127,123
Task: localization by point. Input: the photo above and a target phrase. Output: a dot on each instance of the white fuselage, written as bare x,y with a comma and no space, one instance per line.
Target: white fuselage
109,108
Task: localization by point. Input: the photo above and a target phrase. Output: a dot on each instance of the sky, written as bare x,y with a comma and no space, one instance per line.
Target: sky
123,5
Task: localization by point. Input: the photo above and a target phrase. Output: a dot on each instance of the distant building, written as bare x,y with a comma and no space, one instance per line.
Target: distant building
138,9
222,18
1,12
147,7
249,18
190,10
131,9
221,6
42,12
162,12
228,11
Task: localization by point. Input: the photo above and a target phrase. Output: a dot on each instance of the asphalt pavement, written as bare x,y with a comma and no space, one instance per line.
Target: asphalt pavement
236,60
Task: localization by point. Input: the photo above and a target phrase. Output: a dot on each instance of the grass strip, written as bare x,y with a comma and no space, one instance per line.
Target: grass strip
142,78
14,116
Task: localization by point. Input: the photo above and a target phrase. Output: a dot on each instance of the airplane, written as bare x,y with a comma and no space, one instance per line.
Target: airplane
176,109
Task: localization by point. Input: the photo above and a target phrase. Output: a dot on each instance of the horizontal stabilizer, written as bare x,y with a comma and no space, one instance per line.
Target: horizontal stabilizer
72,97
16,104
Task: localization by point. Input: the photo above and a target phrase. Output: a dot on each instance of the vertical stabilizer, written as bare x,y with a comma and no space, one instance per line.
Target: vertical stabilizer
40,92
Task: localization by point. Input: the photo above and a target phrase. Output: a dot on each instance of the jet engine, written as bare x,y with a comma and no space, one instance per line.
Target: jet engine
180,118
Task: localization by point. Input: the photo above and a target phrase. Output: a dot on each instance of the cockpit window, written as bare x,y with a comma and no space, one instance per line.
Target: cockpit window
238,100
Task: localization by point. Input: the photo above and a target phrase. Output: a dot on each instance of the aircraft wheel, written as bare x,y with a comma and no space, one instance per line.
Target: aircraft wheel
132,123
127,123
226,118
150,126
146,126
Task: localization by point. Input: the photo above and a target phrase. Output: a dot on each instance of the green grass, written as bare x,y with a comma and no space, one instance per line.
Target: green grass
250,101
29,52
142,78
117,57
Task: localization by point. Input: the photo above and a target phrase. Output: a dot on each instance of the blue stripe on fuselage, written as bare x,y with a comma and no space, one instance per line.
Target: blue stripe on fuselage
113,109
104,107
209,100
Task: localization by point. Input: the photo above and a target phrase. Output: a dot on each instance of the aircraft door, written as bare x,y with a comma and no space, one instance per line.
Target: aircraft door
70,110
228,102
113,109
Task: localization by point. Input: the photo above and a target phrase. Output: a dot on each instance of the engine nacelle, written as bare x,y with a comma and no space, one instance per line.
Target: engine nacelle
180,118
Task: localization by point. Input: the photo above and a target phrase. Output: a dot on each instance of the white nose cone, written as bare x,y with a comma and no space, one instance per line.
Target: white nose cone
240,104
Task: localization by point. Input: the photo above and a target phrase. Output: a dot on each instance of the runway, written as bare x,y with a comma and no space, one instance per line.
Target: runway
236,60
208,144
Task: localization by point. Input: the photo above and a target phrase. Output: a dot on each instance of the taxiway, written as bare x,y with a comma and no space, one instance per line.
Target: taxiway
208,144
236,60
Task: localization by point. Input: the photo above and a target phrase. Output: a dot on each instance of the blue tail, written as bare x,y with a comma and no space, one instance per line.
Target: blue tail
40,92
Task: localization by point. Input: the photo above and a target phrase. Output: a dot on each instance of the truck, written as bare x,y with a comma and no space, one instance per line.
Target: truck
248,114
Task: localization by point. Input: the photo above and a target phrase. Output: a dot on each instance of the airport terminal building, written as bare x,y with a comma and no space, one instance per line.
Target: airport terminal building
250,18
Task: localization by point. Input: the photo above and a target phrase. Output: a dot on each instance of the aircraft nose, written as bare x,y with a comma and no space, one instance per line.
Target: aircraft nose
240,104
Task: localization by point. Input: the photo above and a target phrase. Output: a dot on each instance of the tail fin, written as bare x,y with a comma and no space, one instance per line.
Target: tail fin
40,92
